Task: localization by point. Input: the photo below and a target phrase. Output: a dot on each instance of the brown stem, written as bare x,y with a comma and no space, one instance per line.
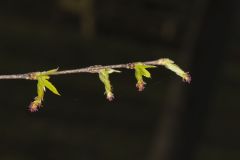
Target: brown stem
90,69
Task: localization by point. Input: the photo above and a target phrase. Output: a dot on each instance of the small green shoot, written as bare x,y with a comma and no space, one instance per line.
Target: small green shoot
169,64
104,77
43,83
140,72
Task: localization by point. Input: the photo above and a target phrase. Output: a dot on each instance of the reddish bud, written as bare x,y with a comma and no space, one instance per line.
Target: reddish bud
187,78
140,85
34,106
110,96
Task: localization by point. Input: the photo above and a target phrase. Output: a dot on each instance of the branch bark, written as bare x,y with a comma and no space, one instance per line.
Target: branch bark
90,69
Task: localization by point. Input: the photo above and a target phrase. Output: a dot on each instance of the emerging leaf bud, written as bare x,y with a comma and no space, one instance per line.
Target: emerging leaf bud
169,64
43,83
104,77
140,72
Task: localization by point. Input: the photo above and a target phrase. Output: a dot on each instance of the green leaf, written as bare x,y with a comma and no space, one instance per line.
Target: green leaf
104,77
42,78
50,86
40,89
140,71
169,64
145,72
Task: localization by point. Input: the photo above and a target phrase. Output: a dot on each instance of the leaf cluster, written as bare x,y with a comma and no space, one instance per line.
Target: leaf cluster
43,83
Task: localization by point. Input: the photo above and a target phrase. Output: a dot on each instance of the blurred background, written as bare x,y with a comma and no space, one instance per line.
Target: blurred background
170,120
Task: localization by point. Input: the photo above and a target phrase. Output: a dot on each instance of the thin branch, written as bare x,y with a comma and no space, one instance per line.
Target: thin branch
15,76
103,73
90,69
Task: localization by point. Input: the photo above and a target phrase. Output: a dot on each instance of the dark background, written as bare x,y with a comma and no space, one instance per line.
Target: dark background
170,120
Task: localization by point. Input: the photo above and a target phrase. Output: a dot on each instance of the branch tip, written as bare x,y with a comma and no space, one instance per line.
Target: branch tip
187,77
110,96
35,105
140,86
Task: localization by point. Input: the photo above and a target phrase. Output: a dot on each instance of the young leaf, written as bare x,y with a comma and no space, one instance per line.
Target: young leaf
104,77
140,71
169,64
43,83
40,89
33,107
50,86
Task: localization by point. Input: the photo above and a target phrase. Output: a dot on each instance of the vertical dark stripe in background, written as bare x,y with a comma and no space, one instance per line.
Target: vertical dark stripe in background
209,56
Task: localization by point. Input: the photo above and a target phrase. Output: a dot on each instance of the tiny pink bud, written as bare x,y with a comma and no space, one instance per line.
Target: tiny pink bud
110,96
140,85
34,106
187,77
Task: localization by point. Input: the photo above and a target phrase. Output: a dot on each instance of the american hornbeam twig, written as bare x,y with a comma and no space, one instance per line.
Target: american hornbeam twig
90,69
103,71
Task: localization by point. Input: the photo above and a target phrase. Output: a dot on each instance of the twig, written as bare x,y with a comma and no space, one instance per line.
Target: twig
103,73
90,69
